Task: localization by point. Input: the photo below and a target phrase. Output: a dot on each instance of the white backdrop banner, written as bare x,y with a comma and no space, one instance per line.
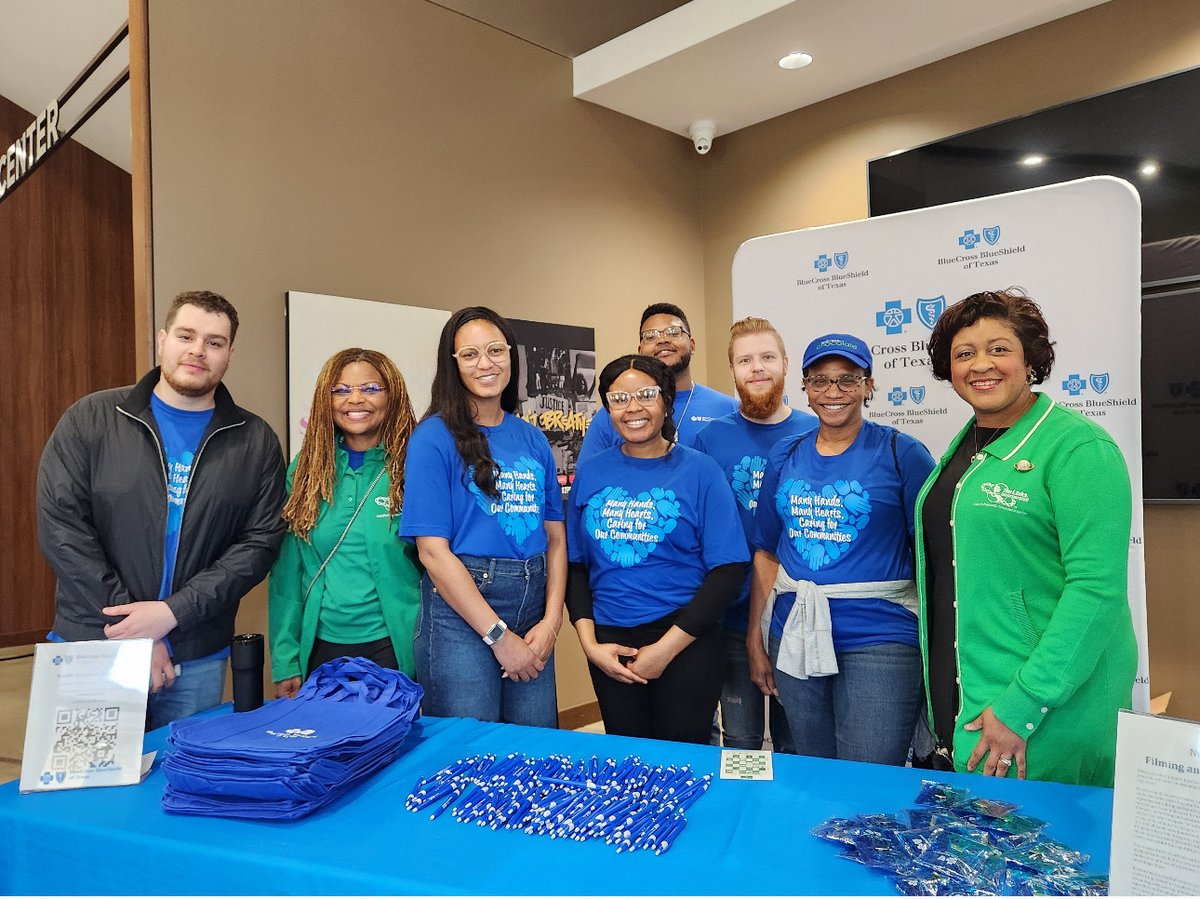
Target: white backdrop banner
1074,247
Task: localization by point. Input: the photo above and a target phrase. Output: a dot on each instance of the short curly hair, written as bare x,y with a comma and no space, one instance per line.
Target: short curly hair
1015,308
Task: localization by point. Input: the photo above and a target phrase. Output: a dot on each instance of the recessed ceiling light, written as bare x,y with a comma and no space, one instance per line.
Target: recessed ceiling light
1033,159
795,60
1149,169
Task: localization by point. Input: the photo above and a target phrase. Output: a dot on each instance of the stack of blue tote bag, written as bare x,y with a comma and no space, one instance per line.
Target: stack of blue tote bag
290,757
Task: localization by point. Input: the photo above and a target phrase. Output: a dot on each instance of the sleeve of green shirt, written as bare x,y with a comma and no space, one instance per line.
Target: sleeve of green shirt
1091,505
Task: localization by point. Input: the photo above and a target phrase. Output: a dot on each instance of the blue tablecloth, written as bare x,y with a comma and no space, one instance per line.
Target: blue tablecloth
742,837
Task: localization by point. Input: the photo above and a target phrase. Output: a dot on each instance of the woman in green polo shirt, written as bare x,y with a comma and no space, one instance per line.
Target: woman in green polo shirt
1022,555
344,584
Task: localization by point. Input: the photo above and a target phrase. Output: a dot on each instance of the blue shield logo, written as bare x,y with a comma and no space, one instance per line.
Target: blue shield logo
840,259
822,263
991,235
1099,382
968,240
917,394
60,776
928,311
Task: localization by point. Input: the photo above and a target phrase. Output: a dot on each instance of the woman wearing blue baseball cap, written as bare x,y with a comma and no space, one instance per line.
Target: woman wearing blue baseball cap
833,623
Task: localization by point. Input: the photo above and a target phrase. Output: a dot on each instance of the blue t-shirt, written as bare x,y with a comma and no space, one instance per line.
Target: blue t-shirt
741,447
843,519
441,499
181,430
649,531
693,409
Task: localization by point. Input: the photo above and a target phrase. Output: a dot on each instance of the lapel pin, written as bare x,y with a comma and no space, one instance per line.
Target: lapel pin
1024,465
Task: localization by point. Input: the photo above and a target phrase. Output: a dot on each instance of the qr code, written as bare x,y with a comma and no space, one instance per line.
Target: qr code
85,739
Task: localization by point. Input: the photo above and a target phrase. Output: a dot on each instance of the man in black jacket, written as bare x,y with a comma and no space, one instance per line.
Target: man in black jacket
158,509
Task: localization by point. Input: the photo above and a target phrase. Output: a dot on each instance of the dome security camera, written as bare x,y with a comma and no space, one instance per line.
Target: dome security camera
702,133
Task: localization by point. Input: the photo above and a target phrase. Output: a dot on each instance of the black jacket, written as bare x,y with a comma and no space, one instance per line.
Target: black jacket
102,510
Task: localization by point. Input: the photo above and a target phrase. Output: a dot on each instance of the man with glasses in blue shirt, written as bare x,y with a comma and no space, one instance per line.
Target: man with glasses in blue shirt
159,509
666,335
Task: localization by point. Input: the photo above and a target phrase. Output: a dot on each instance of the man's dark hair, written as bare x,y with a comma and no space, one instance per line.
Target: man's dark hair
209,302
664,309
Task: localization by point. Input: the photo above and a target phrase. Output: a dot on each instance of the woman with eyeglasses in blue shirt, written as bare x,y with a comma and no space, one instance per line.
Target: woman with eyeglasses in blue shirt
657,554
343,585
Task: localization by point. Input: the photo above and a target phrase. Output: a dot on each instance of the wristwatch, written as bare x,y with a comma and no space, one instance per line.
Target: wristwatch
495,632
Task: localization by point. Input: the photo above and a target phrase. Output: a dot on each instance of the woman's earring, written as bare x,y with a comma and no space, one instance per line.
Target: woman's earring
1029,381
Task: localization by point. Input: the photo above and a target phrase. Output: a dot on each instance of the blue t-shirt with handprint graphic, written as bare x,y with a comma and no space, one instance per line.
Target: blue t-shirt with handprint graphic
649,531
741,447
441,499
844,519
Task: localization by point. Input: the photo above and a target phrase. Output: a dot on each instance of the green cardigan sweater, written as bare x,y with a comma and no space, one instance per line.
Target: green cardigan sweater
392,563
1040,524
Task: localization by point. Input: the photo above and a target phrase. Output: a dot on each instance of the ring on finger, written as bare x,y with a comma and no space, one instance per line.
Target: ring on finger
1005,761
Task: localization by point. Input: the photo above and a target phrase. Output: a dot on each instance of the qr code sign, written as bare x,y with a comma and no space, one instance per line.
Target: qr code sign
84,739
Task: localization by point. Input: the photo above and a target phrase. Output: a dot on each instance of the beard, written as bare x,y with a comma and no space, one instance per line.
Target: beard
761,406
682,365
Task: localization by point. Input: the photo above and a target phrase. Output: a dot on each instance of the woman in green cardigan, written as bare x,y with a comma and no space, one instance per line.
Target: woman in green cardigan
1022,557
344,584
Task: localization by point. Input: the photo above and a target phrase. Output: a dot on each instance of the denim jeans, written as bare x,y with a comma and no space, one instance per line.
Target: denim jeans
742,704
459,671
199,685
864,713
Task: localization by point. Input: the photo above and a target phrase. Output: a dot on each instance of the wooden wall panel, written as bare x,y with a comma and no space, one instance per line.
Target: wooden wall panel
66,291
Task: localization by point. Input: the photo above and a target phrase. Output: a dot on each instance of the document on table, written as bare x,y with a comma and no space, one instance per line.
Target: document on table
1156,807
87,715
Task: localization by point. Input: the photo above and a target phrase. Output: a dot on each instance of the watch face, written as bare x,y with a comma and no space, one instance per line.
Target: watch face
496,632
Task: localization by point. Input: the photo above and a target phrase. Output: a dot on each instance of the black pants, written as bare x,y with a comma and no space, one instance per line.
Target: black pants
381,652
678,705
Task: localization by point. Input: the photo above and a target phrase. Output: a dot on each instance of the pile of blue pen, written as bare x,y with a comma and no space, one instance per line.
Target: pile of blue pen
291,757
627,804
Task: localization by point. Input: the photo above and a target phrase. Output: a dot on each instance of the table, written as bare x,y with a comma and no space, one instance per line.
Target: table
742,837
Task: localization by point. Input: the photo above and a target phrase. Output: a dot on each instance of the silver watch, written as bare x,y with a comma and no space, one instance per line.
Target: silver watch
495,632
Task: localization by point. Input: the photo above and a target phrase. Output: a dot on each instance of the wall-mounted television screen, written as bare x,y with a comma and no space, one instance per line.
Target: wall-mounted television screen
1146,134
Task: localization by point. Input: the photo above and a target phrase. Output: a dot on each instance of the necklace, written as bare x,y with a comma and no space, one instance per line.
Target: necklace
996,432
683,416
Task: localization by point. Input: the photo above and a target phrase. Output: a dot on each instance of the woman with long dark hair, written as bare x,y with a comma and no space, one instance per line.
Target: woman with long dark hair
341,585
485,510
657,555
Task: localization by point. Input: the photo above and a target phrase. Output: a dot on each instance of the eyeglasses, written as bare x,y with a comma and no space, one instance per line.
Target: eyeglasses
820,383
672,331
370,389
621,398
497,352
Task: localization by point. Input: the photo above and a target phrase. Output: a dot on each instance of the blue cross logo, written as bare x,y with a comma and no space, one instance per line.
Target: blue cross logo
897,396
822,263
894,317
1074,385
968,240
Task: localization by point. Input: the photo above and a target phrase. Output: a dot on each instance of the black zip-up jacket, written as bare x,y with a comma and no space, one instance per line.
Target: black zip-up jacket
102,512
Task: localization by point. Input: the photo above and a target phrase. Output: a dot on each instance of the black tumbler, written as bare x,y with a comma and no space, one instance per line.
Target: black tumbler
247,657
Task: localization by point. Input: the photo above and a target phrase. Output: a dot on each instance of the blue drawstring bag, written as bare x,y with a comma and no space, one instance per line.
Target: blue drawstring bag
288,758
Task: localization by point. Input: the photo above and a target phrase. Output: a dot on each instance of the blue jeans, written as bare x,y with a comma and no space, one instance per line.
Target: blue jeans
199,685
458,670
742,703
864,713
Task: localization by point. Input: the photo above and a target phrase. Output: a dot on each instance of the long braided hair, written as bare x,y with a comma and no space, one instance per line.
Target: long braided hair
312,480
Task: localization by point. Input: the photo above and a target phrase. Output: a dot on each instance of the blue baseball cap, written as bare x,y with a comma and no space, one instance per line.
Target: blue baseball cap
845,345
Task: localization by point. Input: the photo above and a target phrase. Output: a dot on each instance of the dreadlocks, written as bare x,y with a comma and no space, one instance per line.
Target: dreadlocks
312,480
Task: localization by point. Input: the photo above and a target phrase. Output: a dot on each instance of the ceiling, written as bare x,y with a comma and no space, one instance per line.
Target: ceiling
665,62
